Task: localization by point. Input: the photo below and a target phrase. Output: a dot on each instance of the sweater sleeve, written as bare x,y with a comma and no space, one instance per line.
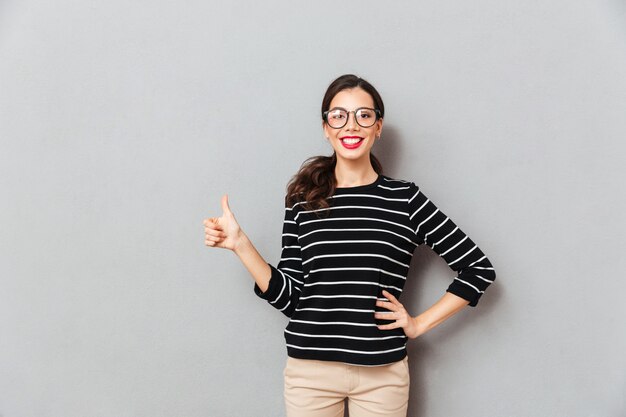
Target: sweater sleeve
286,280
431,226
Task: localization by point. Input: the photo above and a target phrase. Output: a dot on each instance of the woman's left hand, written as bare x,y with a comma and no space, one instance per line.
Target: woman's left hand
410,325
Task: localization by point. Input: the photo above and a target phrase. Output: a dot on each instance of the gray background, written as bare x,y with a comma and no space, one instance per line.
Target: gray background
123,123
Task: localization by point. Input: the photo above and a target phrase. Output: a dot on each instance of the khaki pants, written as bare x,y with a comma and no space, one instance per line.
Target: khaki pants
318,388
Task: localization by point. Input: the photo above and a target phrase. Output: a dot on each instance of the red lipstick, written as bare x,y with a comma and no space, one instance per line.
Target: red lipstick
351,145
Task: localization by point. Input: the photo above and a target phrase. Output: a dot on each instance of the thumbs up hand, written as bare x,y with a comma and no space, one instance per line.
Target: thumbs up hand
224,231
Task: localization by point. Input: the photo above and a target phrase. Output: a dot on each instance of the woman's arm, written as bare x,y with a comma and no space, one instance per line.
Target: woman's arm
447,306
280,285
225,232
431,226
254,262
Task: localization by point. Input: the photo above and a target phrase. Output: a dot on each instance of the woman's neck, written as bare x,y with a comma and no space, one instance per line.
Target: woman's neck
353,176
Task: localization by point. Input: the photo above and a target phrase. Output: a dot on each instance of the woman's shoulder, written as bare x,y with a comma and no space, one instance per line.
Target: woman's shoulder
397,182
403,187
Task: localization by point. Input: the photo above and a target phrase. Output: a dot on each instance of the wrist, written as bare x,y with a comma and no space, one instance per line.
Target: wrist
421,324
241,244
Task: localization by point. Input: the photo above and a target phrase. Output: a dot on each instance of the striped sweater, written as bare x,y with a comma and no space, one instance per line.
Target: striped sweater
333,269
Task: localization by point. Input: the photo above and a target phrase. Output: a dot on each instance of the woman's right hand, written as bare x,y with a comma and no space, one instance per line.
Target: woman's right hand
224,231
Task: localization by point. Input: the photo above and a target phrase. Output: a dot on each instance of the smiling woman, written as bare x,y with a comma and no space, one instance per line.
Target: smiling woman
349,234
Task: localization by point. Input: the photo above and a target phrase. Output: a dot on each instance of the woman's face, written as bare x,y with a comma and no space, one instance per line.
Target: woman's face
342,139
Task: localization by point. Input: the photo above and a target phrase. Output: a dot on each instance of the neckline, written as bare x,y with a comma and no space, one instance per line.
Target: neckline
379,178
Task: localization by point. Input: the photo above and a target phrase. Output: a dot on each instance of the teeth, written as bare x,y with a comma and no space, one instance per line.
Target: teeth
351,141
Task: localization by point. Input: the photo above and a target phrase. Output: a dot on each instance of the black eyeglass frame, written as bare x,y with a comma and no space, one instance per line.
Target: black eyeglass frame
376,111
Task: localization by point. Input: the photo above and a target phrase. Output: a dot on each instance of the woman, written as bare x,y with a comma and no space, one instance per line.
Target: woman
349,233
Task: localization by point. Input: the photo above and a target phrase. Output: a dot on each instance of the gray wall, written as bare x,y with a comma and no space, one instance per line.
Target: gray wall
123,123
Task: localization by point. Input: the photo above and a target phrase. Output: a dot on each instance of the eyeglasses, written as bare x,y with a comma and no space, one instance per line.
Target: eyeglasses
338,117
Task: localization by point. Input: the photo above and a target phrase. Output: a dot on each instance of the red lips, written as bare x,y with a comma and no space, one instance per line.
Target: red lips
351,146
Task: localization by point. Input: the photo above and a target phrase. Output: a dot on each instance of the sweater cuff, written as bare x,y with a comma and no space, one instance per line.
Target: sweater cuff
273,288
465,292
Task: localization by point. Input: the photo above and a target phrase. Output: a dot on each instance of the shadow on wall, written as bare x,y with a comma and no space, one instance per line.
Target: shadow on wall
426,267
388,149
620,10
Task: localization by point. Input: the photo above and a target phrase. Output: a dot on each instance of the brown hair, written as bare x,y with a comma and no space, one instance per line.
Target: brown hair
315,180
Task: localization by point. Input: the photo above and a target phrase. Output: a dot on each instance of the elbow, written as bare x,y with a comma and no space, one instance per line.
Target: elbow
492,274
487,270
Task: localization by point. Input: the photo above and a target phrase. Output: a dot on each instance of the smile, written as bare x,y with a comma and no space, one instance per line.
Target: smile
351,142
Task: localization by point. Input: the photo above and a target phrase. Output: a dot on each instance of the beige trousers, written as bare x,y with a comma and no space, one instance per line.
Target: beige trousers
318,388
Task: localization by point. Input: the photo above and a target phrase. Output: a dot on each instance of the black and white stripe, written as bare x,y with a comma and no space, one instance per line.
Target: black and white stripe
332,270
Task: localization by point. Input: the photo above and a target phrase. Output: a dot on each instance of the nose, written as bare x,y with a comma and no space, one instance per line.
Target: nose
351,123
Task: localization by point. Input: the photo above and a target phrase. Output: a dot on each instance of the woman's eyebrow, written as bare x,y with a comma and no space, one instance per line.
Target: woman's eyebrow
343,108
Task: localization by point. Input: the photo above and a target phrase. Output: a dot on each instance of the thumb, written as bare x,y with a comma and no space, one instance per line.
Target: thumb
225,207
